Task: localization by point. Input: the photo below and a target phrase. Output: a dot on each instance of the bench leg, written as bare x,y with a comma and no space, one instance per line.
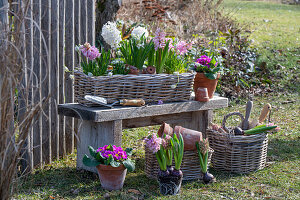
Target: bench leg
96,135
200,121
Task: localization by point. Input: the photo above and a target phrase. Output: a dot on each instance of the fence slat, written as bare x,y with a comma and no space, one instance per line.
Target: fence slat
62,139
37,126
54,81
91,21
45,63
83,21
69,61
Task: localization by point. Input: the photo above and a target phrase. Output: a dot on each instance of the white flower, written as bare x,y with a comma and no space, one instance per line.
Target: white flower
72,77
111,34
90,74
144,67
173,86
138,32
109,73
197,64
176,73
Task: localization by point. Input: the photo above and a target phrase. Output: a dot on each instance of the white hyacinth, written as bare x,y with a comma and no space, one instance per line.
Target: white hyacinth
137,32
111,34
90,74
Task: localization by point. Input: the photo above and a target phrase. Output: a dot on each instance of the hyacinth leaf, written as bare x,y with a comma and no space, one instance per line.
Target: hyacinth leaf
92,151
90,162
160,162
205,161
200,158
181,150
128,151
114,163
129,165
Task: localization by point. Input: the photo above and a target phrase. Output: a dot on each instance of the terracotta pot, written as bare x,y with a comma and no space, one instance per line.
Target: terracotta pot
132,69
189,137
165,129
111,178
202,94
202,81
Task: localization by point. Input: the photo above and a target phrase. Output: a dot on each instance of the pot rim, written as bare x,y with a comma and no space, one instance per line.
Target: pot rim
109,167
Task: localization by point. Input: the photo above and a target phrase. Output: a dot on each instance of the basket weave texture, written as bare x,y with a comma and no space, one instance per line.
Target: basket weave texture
238,154
190,165
149,87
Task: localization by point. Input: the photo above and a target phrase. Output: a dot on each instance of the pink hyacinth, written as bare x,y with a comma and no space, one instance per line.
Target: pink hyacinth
204,60
170,43
182,47
153,142
91,52
159,39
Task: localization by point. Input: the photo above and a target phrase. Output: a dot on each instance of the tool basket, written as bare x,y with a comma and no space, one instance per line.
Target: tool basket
238,153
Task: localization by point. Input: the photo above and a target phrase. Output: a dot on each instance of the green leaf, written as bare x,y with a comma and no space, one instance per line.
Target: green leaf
114,163
92,151
108,160
128,151
90,162
129,164
211,75
99,157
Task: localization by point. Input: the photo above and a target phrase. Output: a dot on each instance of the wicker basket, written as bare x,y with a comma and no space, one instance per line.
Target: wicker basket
190,166
238,154
149,87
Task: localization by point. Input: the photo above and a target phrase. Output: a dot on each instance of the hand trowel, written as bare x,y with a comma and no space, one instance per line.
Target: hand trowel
125,102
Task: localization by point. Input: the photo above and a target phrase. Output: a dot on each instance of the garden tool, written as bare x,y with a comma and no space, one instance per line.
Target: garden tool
125,102
245,123
263,115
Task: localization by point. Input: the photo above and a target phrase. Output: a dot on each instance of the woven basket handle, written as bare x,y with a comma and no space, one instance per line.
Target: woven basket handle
229,115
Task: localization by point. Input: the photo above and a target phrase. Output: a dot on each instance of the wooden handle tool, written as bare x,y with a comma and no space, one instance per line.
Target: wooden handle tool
264,113
245,123
132,102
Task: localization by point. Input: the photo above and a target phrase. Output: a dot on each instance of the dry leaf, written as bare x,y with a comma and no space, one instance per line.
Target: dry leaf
134,191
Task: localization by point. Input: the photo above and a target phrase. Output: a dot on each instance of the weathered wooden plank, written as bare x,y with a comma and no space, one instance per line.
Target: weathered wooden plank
45,75
83,21
156,120
54,80
36,81
96,135
69,61
91,21
62,142
99,114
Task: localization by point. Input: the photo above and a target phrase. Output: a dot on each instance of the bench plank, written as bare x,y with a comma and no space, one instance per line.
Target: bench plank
100,114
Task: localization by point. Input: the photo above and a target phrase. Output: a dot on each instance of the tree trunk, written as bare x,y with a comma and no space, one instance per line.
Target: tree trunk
106,10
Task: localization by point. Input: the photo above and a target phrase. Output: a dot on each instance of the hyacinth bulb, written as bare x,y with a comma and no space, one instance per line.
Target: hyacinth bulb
207,177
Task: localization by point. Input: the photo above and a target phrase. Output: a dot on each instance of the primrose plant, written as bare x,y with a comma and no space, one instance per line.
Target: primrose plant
208,64
109,155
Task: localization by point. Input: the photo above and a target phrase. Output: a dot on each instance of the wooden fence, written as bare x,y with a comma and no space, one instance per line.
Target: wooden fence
52,29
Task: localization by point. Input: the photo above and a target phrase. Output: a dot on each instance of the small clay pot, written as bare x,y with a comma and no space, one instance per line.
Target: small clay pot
111,178
202,81
165,129
132,69
202,95
189,137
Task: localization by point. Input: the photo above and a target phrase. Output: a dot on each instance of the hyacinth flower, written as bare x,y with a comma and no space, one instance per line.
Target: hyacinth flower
159,53
178,147
109,155
168,150
155,145
93,62
203,149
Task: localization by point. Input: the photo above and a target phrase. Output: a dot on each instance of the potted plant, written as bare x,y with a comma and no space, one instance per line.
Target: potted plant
169,179
203,149
208,68
112,164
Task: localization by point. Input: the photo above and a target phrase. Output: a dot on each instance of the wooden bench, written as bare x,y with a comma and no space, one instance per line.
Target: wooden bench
100,126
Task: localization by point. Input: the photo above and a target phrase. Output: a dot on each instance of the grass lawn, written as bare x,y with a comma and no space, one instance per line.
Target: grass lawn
279,180
276,35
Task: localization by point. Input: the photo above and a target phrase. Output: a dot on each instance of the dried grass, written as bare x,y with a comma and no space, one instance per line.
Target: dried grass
15,116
